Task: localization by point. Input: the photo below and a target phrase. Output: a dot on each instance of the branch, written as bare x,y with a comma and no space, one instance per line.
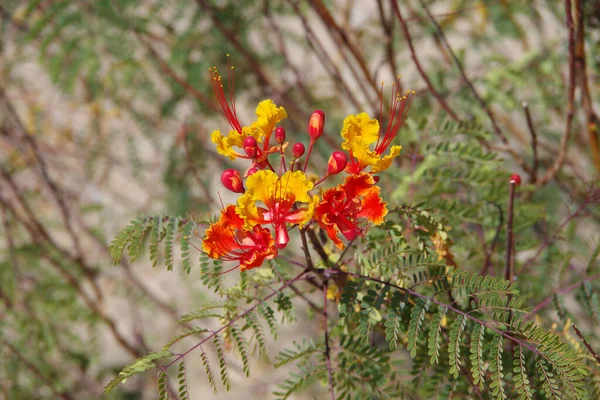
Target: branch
549,299
488,257
464,75
533,133
36,371
422,72
586,98
593,197
508,270
327,349
585,343
440,304
231,321
562,151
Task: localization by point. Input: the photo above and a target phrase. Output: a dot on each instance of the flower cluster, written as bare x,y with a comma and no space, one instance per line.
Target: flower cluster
278,196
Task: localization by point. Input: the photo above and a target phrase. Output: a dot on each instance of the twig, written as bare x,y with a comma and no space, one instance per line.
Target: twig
482,103
333,27
320,51
388,30
231,321
585,343
490,252
564,290
31,366
298,293
166,68
508,269
562,150
440,304
586,98
533,133
422,72
318,246
327,349
593,197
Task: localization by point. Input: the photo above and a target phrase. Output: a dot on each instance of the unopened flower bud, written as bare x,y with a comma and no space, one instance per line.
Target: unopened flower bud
516,178
252,171
298,150
337,163
232,180
280,135
250,146
316,123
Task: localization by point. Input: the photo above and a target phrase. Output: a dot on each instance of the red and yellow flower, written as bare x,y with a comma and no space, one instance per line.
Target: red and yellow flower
267,113
227,240
360,132
280,198
347,206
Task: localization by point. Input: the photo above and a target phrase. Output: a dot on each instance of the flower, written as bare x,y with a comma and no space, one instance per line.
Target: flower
343,206
232,180
227,240
267,113
316,124
280,196
360,132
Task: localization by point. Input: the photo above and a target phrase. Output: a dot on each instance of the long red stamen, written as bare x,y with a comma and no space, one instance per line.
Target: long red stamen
398,112
229,110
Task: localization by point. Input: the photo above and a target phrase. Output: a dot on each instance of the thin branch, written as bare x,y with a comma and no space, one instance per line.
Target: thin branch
327,349
440,304
586,98
31,366
482,103
341,35
564,142
508,270
593,197
422,72
166,68
541,305
534,144
585,343
488,257
320,51
233,320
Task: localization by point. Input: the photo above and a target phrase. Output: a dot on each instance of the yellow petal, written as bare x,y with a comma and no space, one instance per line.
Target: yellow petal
386,161
262,185
223,146
312,203
268,115
295,184
359,129
246,208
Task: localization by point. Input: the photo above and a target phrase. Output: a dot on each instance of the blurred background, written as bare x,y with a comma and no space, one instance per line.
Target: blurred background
106,110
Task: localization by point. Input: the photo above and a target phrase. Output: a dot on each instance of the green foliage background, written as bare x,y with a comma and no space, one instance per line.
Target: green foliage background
105,115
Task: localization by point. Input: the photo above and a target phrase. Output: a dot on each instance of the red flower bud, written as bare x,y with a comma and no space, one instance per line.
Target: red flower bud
516,178
316,123
250,146
252,171
232,180
298,150
280,135
337,163
250,141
